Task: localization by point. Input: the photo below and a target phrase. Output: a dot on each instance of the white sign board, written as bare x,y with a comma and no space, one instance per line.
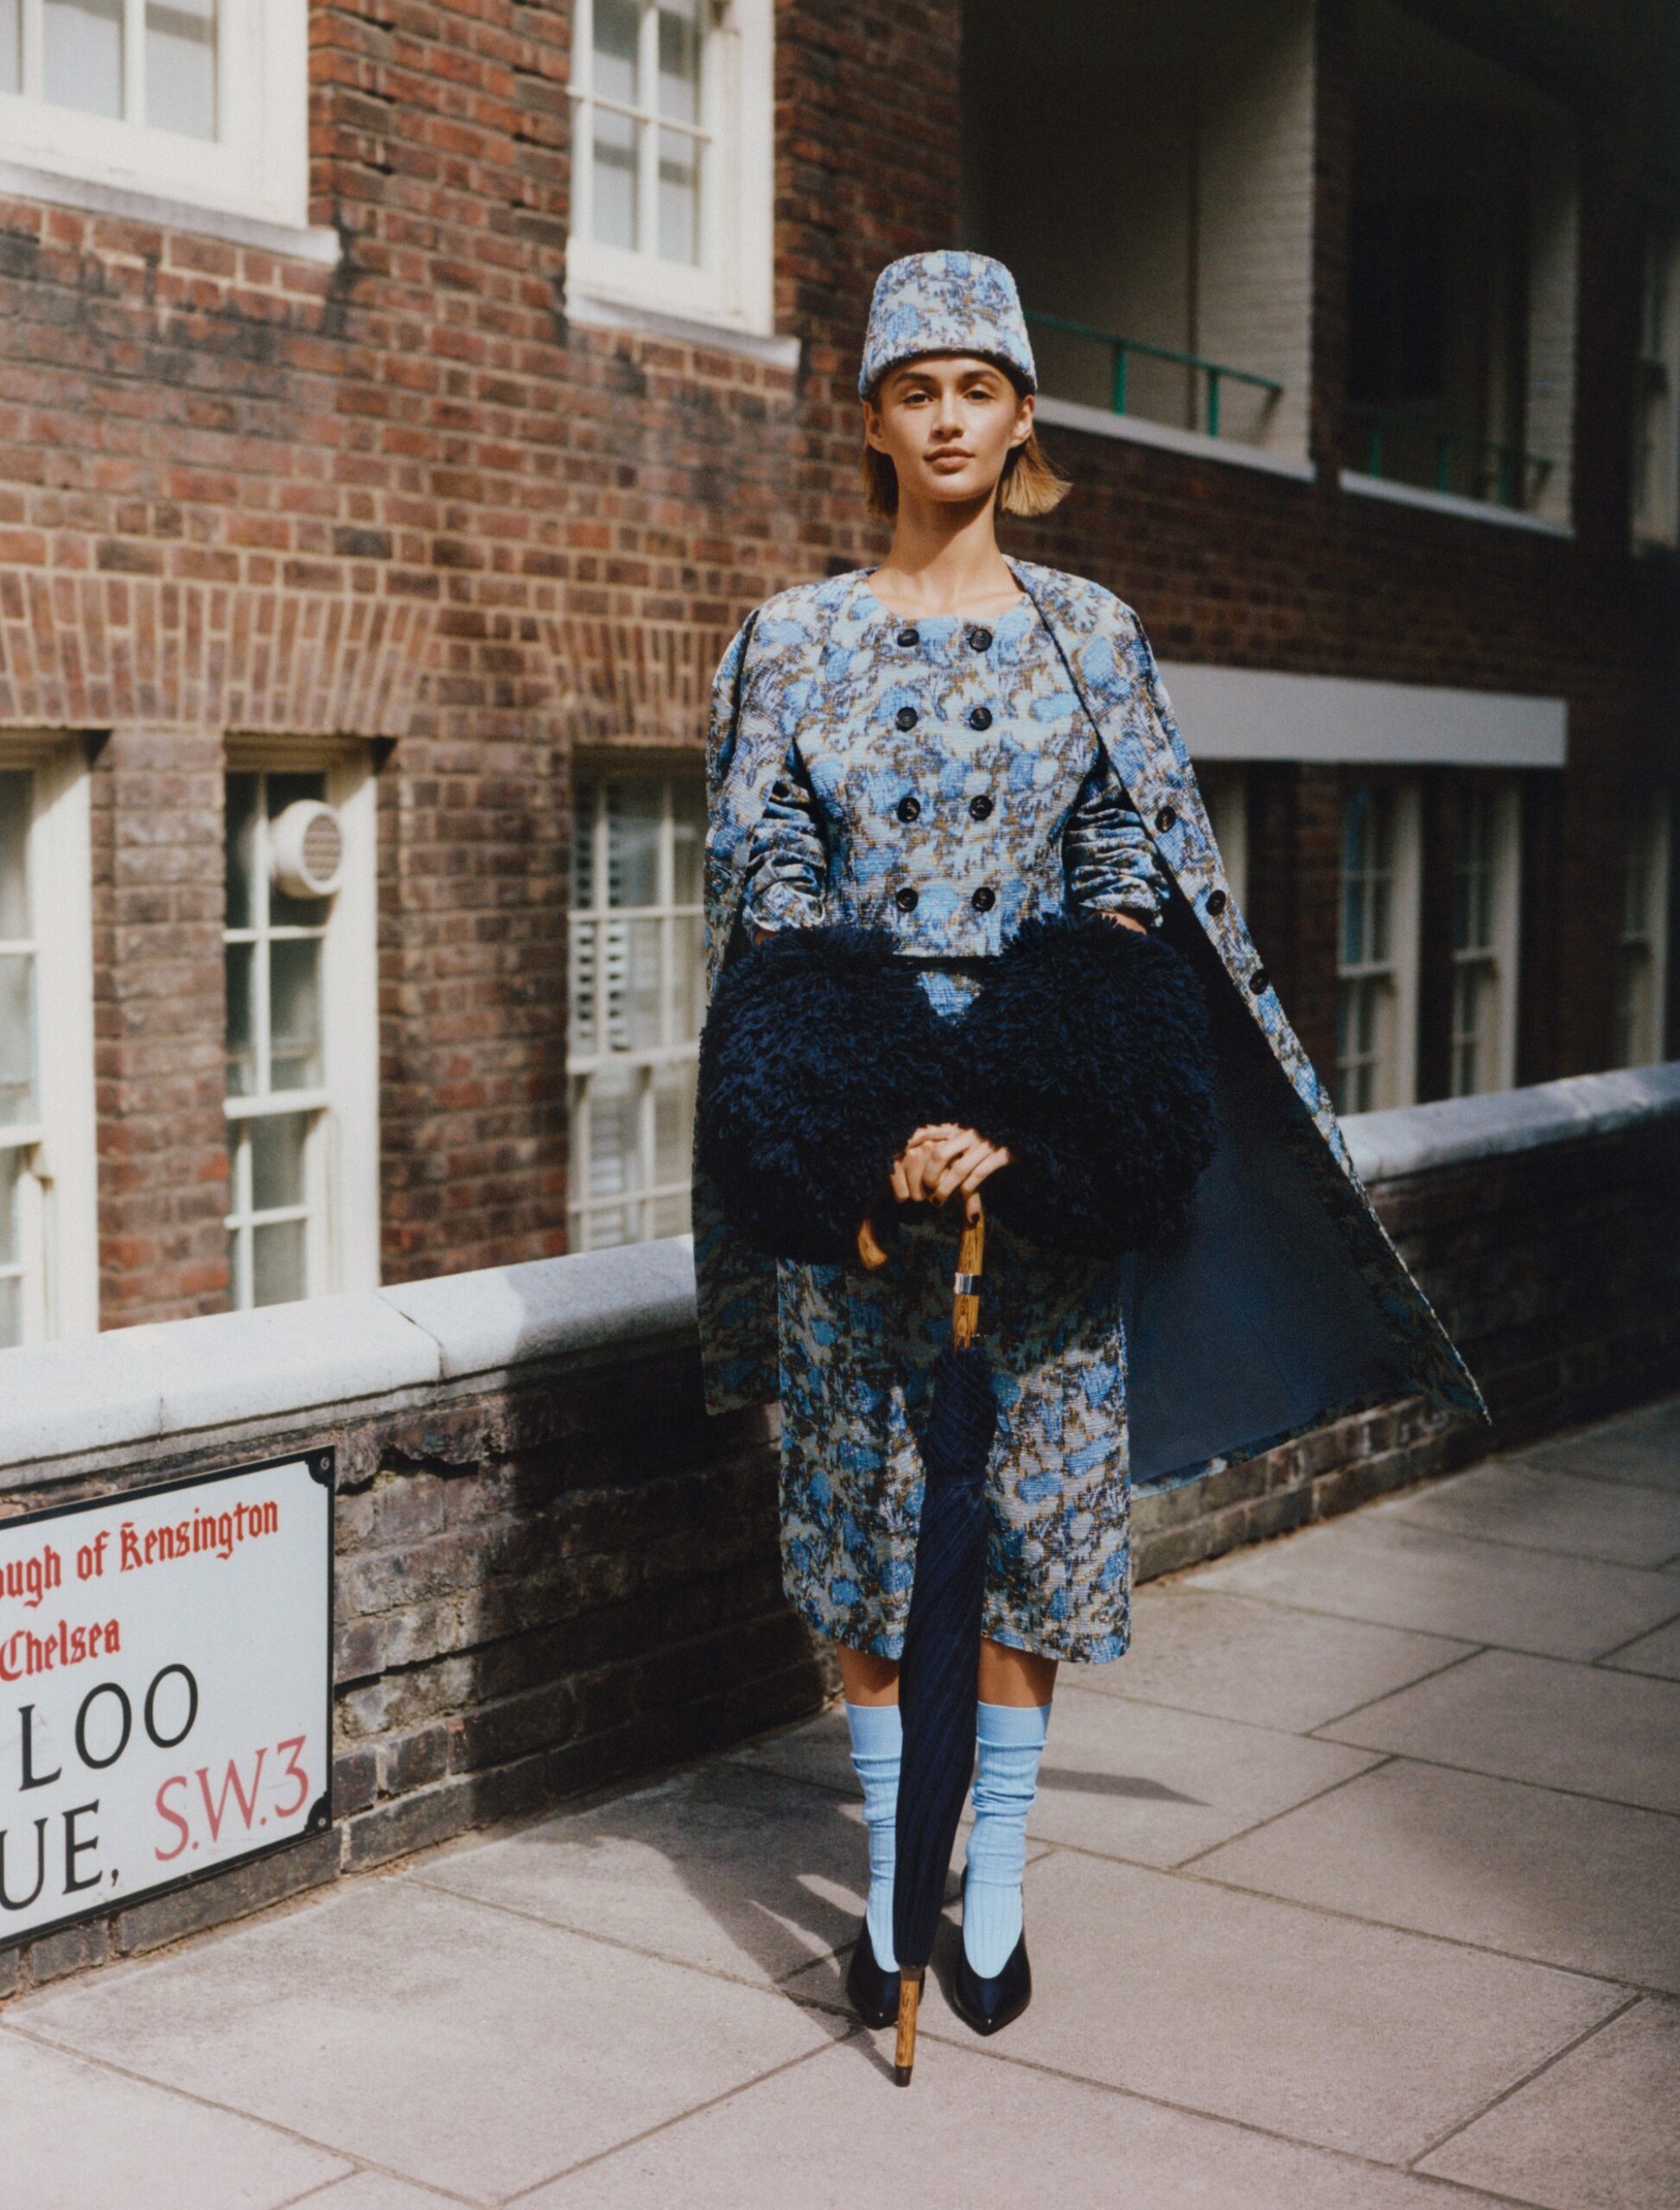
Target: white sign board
165,1686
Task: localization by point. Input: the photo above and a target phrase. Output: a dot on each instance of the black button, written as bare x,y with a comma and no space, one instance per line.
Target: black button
910,636
909,807
1165,818
780,789
981,718
905,899
980,638
1215,901
906,717
981,806
1258,980
984,899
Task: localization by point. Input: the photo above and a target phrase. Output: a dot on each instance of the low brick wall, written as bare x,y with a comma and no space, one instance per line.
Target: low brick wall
552,1570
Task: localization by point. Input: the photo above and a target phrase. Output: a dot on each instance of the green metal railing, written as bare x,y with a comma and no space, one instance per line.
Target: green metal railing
1121,349
1516,477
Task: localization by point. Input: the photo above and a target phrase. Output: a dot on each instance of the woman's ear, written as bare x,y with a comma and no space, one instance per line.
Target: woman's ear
872,435
1023,419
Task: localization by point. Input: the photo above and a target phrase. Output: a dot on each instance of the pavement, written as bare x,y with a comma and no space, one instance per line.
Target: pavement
1355,1885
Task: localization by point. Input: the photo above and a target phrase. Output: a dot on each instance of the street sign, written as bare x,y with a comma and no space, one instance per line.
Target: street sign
165,1686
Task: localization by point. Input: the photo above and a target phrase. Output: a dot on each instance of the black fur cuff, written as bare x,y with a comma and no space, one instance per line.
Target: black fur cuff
1089,1053
821,1054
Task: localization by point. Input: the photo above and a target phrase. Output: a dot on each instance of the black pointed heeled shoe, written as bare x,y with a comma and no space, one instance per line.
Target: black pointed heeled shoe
872,1992
989,2005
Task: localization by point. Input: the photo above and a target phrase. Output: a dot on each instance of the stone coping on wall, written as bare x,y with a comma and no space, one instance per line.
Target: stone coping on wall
66,1407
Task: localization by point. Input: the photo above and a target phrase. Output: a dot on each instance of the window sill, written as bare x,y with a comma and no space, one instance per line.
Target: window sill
1136,429
599,310
22,180
1448,502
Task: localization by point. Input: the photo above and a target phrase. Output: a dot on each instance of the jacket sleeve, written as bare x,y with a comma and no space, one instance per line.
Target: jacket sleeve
787,866
1110,863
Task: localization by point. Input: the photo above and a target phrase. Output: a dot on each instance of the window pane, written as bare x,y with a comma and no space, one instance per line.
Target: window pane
294,1013
679,198
582,991
688,984
583,843
277,1262
617,139
11,1172
673,1122
241,1047
634,809
18,1098
679,61
616,25
181,66
632,984
14,855
11,66
82,60
241,847
688,837
613,1168
277,1161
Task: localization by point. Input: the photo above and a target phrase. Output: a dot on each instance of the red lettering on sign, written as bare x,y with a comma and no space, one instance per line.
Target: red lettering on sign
217,1811
164,1856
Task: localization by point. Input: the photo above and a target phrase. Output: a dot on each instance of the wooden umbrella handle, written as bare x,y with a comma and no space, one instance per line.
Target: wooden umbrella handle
970,1261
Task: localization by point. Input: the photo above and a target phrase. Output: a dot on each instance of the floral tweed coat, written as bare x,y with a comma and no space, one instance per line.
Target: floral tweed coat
1287,1306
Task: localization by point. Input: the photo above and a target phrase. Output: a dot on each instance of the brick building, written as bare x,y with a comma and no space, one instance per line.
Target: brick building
402,401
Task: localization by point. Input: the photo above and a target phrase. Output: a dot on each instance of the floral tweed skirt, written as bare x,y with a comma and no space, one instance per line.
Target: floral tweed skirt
856,1355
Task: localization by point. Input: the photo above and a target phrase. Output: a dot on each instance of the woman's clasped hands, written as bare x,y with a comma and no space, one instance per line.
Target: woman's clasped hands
942,1159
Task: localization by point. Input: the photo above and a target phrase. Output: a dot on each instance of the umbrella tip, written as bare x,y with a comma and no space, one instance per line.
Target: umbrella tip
901,2075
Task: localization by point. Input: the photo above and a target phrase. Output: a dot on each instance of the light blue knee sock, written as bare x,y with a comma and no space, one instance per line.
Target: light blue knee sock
1011,1739
877,1744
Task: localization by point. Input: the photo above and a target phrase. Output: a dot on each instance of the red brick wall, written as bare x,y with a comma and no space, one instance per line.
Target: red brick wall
402,499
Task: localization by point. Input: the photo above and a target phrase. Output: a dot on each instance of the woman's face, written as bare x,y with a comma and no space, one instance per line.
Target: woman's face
947,422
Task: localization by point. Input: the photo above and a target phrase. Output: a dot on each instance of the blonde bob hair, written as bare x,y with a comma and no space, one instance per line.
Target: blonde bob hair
1028,485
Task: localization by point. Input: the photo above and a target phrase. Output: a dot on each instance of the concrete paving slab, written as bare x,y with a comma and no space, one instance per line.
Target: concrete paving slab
736,1870
77,2138
1586,1727
1437,1583
1200,1649
1138,1781
1658,1653
1543,1508
1641,1446
1527,1870
831,2133
1597,2130
1349,2036
447,2043
817,1751
367,2190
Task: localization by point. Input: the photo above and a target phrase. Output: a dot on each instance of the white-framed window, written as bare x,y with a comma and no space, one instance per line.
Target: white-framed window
1642,954
1487,863
1656,399
637,988
1224,790
49,1257
205,101
672,158
1376,1010
302,1096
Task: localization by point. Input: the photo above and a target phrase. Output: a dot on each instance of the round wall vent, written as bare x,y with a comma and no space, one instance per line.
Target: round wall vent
306,849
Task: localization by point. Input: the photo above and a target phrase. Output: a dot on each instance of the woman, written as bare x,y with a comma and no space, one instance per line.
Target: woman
974,757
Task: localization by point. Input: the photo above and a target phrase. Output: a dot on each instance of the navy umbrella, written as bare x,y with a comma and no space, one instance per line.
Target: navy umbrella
938,1686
